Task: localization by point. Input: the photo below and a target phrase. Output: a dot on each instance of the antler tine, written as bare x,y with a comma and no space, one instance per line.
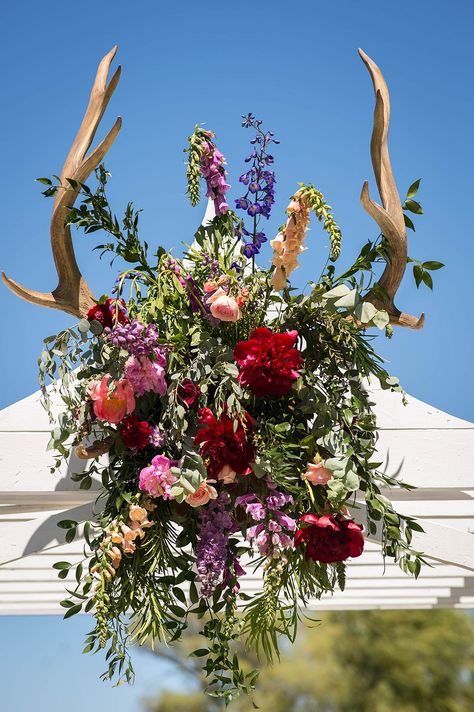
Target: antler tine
389,218
73,294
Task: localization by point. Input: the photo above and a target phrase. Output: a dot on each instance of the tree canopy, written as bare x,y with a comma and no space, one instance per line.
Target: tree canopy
364,661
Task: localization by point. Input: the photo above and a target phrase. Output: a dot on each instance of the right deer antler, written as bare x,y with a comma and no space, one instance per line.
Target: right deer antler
73,294
389,218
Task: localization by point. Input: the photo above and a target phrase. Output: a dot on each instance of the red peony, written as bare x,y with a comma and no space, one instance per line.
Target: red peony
221,446
188,393
268,362
135,433
330,538
109,313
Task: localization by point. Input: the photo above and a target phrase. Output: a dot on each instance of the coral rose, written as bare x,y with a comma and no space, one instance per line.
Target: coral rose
202,495
317,474
222,445
330,538
112,402
268,363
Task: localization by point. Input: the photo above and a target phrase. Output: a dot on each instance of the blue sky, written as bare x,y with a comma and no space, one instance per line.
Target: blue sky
296,68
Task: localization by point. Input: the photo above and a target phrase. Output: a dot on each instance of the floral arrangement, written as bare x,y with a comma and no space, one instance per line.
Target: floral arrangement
235,417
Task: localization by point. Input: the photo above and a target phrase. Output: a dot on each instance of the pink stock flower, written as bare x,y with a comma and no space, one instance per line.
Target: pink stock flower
146,375
157,479
202,495
112,402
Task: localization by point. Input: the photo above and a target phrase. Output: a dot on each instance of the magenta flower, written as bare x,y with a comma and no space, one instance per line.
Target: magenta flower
157,479
146,375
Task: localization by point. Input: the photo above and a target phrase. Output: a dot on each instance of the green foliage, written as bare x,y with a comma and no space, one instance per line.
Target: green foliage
322,211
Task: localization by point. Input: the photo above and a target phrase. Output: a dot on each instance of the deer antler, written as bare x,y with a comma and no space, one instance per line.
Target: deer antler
73,294
389,218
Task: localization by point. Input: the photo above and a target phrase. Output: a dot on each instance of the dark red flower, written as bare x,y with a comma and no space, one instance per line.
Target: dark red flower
268,362
330,538
222,446
188,393
135,433
111,312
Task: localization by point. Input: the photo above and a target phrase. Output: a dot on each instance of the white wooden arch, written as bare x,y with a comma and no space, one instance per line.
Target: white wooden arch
426,447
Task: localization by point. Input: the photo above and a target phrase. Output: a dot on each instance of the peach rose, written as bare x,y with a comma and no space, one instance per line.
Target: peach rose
202,495
112,402
225,308
209,287
317,474
227,475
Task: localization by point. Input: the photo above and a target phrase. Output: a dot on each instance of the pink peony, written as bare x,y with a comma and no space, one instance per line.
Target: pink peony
112,402
157,479
317,474
146,375
202,495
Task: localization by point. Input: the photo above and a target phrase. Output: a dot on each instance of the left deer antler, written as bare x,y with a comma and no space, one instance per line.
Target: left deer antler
389,218
73,294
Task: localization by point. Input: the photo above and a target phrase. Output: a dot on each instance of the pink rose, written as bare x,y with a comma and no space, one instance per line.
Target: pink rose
202,495
225,308
112,402
227,475
317,474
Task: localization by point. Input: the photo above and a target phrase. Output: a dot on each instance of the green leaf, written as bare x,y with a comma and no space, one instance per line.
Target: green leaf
348,301
432,265
418,274
413,207
70,535
427,279
44,181
413,189
199,653
73,610
408,222
67,524
352,481
61,565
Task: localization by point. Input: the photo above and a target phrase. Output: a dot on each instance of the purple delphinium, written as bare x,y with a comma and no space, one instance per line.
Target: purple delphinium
271,533
135,337
260,184
212,548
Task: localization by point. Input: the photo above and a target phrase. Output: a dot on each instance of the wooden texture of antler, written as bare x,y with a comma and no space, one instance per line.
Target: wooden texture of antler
96,449
73,294
389,215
